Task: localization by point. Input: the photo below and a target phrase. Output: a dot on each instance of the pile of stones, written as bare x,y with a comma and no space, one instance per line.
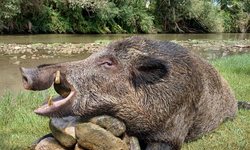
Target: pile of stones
75,133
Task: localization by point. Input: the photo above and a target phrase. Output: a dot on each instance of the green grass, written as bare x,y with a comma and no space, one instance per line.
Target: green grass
81,45
194,41
1,44
19,126
55,44
37,44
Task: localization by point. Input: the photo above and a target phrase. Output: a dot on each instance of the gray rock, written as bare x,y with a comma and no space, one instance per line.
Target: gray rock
132,142
78,147
49,143
17,63
17,47
63,129
114,125
100,134
93,137
23,57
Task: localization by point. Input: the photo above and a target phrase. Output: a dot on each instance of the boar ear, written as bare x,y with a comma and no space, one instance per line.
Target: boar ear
148,70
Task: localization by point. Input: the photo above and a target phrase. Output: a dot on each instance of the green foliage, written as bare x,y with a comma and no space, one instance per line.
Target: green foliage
132,19
179,16
166,13
75,16
114,27
208,15
15,14
8,9
55,22
123,16
236,15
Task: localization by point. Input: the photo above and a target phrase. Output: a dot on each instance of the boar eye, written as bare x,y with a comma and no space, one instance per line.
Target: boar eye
109,63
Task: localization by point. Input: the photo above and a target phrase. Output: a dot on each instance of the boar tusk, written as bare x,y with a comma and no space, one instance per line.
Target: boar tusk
50,101
57,79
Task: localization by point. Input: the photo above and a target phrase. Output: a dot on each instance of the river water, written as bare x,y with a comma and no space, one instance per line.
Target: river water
10,78
89,38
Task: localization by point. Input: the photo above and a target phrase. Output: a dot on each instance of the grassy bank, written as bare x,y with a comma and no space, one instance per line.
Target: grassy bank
20,126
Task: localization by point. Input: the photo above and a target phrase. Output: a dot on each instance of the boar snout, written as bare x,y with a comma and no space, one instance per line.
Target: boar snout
26,78
42,78
35,79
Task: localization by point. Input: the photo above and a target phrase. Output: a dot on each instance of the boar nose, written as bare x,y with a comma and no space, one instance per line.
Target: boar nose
27,81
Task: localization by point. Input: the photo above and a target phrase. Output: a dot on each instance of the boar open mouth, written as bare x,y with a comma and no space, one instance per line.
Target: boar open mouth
52,105
66,93
32,81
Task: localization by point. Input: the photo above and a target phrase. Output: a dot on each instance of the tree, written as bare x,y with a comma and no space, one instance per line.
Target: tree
236,15
189,15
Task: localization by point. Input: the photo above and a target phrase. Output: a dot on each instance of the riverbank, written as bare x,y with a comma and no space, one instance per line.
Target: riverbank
19,52
225,45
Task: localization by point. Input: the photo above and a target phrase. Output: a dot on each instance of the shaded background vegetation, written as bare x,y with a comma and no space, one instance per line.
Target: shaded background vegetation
124,16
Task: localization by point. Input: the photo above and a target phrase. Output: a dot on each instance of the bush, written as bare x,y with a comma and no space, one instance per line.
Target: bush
208,14
123,16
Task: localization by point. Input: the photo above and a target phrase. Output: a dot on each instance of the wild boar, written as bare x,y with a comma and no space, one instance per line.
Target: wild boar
164,93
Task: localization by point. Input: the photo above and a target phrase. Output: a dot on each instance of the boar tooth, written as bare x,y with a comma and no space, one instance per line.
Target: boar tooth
50,101
57,79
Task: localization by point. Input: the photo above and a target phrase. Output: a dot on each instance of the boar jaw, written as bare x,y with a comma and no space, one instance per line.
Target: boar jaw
66,93
58,102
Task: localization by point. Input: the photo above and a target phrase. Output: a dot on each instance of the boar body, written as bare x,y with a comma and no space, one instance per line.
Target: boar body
164,93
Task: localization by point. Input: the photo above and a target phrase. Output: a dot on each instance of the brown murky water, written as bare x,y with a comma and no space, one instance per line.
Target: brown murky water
89,38
10,78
